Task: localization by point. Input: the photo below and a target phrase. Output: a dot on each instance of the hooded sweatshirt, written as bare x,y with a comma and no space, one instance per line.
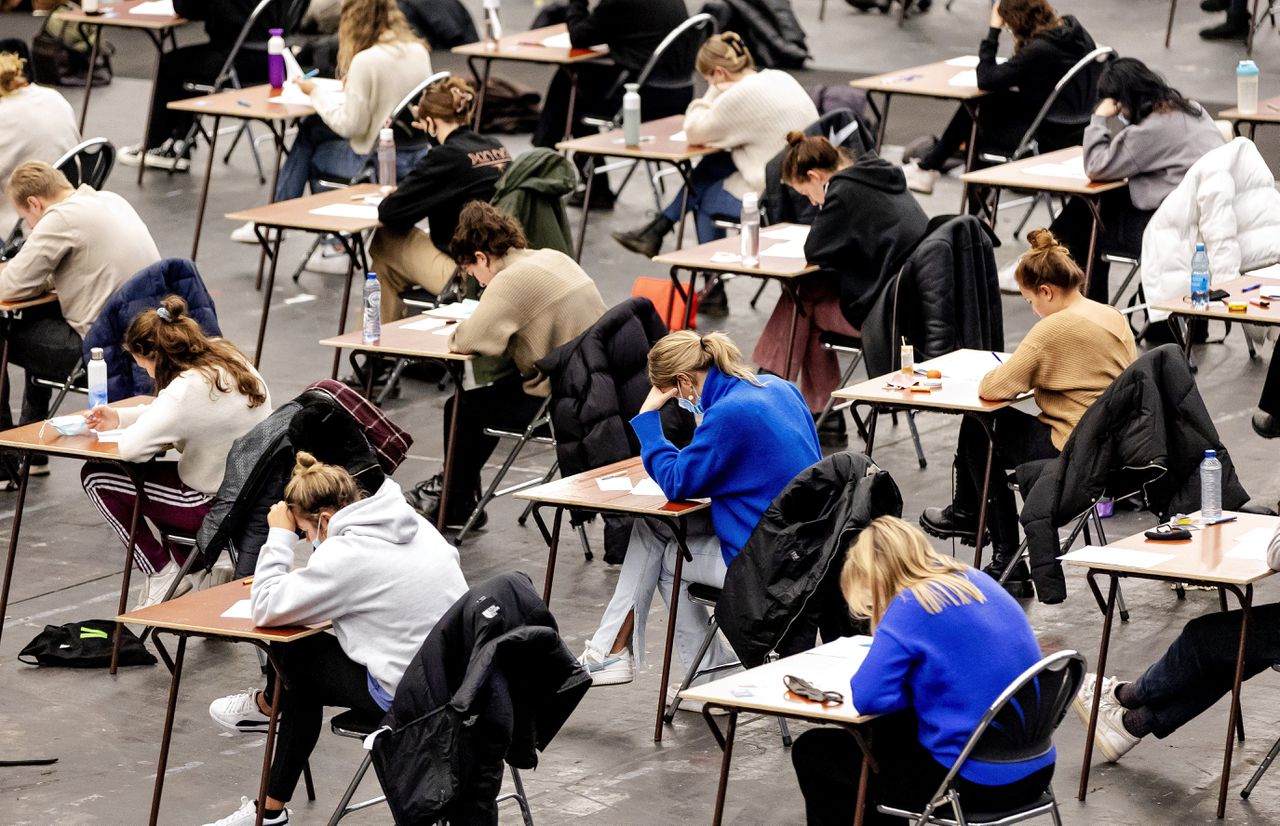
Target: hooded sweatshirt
1038,67
868,224
383,576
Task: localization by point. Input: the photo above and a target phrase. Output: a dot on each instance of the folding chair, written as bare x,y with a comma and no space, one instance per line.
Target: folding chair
1265,764
88,162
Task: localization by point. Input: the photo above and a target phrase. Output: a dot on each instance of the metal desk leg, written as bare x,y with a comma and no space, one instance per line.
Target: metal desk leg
688,296
586,206
552,538
274,255
93,61
167,736
1168,29
455,372
269,749
884,119
483,79
1102,670
988,426
971,154
1246,606
677,527
1248,52
277,135
135,474
24,474
158,41
573,104
870,443
1094,230
204,187
789,286
685,169
725,759
864,774
354,246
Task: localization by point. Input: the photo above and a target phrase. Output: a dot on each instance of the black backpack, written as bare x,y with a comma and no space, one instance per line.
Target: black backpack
85,644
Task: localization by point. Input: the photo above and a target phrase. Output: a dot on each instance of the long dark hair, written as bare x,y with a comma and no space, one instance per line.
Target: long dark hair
1028,18
1141,91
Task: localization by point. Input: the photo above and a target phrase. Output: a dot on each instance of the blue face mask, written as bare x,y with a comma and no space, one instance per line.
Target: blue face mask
693,407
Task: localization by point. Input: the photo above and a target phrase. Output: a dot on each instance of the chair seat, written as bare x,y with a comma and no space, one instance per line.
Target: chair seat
703,594
943,815
353,723
839,342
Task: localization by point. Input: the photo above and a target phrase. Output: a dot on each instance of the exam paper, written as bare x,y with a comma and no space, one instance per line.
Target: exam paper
160,8
292,95
458,310
425,324
242,609
647,487
614,483
784,249
970,61
964,365
680,137
967,79
1073,169
1116,556
558,41
792,233
109,436
361,212
1252,545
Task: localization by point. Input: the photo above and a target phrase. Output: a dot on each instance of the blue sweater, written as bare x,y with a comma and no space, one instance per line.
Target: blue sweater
752,442
948,668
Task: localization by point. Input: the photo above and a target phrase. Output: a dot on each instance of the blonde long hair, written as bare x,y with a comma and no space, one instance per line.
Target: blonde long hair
12,74
364,23
685,352
891,556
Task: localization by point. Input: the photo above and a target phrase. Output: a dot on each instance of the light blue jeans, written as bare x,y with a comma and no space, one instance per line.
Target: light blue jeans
320,154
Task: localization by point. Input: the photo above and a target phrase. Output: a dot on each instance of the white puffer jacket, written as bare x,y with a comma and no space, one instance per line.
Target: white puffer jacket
1229,201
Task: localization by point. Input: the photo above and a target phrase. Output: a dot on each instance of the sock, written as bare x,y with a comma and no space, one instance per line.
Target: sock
1137,721
269,813
1124,695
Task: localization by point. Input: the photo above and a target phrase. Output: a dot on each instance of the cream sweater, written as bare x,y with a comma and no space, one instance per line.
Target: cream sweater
36,124
377,79
751,119
538,301
192,415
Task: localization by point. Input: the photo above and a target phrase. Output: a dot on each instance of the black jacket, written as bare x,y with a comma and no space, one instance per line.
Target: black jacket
632,29
1035,70
444,23
795,553
769,27
493,682
782,203
1151,419
466,167
223,19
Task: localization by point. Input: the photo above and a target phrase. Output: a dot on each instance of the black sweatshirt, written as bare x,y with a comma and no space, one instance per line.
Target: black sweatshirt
223,19
632,29
1035,70
466,167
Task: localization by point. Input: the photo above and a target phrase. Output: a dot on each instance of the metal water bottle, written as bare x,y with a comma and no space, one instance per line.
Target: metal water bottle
275,59
492,25
97,378
631,115
750,234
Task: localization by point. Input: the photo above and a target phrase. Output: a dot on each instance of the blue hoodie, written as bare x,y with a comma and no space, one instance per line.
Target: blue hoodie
753,440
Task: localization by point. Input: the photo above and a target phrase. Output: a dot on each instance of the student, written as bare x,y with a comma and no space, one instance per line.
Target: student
533,302
867,224
380,60
36,124
208,396
462,166
746,112
1045,47
933,619
1071,355
1235,27
1161,136
86,244
754,437
379,573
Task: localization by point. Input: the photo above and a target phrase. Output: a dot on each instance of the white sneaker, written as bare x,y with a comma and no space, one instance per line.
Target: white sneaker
157,585
1082,704
612,669
247,814
239,713
160,157
1111,737
328,260
244,234
921,180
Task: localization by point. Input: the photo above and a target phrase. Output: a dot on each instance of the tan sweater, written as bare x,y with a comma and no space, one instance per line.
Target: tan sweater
377,79
1068,359
538,301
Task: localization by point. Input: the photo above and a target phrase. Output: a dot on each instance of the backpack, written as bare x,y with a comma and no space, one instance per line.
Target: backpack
84,644
60,55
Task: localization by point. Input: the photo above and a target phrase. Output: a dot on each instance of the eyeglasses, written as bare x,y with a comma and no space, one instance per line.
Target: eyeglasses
806,690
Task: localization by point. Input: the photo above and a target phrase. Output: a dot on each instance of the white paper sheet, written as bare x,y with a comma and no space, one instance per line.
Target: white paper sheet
1252,545
1120,557
292,71
109,436
964,365
680,137
969,61
558,41
360,212
1271,273
1073,169
458,310
425,324
792,233
445,331
159,8
1269,293
784,249
291,94
967,79
647,487
615,483
242,609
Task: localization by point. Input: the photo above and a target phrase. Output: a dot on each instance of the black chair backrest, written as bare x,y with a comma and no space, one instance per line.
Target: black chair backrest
406,111
1073,97
677,53
288,15
1019,725
89,162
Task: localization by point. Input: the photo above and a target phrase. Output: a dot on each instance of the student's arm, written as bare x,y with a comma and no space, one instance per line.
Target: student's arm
709,121
351,110
878,687
994,76
697,470
489,329
194,9
312,594
830,236
1017,375
30,272
1273,552
1109,157
433,179
149,429
587,28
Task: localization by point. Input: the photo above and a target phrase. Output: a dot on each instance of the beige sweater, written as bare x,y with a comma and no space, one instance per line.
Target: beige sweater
540,300
377,79
36,124
751,119
1068,358
86,247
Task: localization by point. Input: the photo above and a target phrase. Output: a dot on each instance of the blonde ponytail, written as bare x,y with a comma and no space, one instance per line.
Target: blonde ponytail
686,351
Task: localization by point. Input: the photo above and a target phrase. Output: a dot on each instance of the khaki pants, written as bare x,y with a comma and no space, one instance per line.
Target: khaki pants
406,259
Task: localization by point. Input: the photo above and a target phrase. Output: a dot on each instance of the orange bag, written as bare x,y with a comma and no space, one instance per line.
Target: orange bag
666,300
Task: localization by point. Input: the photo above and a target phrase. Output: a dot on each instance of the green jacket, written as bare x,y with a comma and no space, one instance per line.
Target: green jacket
532,190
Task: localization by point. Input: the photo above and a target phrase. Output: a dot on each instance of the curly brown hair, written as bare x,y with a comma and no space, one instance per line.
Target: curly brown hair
1027,18
484,228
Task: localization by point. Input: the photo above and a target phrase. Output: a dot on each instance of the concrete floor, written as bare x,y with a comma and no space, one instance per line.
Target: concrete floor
603,768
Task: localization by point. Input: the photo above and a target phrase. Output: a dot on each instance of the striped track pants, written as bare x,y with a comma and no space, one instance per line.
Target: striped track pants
171,507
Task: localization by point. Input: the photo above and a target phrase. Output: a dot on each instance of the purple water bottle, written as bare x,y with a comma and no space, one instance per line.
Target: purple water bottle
275,59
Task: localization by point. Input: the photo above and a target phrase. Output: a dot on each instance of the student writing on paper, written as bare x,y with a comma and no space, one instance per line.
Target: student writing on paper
208,396
36,124
754,436
867,224
947,641
1071,355
380,573
1045,47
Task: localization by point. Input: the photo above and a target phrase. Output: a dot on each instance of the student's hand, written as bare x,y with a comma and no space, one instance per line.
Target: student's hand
657,398
1108,108
102,418
997,22
306,85
281,517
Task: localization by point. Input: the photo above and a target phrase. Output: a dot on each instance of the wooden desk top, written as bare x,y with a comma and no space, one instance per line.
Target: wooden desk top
1268,112
728,250
296,213
200,612
528,46
1019,175
962,371
26,303
251,103
120,14
828,667
1203,557
397,341
582,491
932,80
656,143
41,437
1218,309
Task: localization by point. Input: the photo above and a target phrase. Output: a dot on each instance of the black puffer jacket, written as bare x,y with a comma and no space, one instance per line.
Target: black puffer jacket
444,23
769,27
783,587
844,129
1150,419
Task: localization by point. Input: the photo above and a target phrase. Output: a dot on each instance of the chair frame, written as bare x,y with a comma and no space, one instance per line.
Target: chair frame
103,153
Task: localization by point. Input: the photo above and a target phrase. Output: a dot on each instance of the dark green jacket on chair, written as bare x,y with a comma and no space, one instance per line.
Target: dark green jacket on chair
532,190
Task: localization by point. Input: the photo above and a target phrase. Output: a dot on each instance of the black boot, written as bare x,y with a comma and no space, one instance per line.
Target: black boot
1265,425
647,240
1235,28
833,432
1018,583
713,300
948,523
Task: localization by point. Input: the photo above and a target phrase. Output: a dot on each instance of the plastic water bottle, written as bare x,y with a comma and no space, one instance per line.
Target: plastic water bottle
1200,279
631,115
1247,87
386,160
372,308
275,58
97,378
750,234
492,25
1210,487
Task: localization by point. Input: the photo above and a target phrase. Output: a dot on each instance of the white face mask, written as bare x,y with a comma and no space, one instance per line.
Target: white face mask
1120,117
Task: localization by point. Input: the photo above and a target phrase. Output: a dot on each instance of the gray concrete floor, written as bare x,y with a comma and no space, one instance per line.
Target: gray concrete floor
603,768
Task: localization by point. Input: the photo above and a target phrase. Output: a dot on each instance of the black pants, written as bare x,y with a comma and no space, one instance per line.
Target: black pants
1003,118
600,96
1020,437
503,405
1270,401
45,346
827,763
1122,228
318,674
194,64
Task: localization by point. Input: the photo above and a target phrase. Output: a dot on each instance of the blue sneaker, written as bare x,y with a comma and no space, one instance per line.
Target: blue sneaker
612,669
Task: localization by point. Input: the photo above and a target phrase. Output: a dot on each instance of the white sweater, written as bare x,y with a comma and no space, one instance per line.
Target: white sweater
751,119
36,124
194,417
377,79
383,576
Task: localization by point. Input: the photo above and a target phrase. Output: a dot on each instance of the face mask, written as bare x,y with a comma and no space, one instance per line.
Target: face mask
315,543
1120,117
693,407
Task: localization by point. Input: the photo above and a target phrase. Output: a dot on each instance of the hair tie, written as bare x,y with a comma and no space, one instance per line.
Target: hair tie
164,313
735,43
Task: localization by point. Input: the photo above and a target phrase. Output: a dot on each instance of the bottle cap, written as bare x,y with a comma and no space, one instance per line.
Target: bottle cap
1210,454
491,4
386,134
750,199
275,32
1199,247
631,87
95,353
1247,68
370,275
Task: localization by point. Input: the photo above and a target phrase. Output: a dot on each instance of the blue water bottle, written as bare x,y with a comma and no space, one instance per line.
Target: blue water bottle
1200,279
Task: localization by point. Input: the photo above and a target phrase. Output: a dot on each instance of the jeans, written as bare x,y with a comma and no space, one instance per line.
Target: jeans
1020,437
320,154
708,199
171,506
1122,227
45,346
650,565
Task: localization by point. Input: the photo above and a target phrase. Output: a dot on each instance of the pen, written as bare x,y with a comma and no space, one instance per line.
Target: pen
1251,289
1273,107
997,356
616,475
1265,305
243,103
310,74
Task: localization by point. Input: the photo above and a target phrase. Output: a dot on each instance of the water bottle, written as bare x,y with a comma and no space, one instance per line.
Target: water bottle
89,7
631,115
1247,87
492,25
750,235
1200,279
386,160
275,59
372,308
1210,487
97,378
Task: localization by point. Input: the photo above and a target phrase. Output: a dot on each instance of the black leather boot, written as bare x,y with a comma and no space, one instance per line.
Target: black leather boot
948,523
646,240
1018,584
